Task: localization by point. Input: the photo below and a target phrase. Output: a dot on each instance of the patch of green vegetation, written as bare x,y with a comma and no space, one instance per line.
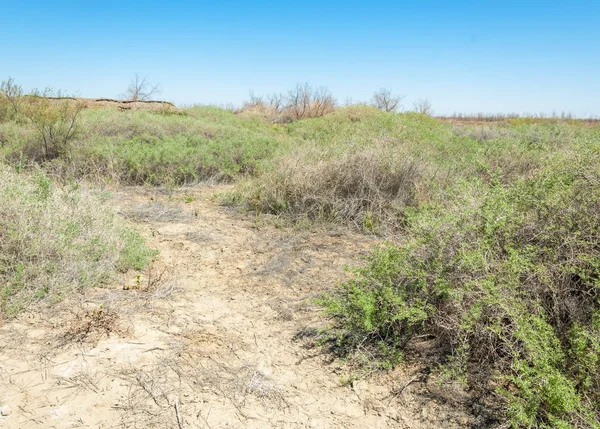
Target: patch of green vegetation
493,229
57,240
504,275
364,167
146,147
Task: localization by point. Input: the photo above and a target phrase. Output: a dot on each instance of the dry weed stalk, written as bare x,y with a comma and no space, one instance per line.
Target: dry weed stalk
89,326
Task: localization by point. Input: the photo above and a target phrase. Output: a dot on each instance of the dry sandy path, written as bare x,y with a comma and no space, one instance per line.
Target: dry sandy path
210,337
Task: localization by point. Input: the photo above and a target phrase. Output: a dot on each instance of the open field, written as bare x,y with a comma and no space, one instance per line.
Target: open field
475,301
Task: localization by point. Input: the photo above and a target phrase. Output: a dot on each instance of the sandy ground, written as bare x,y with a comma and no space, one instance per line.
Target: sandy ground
211,336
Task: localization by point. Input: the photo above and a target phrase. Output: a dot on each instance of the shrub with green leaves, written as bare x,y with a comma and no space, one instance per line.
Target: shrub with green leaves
55,122
505,278
363,167
58,240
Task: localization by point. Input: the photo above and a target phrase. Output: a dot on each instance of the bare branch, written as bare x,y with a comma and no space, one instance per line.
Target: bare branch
423,105
140,89
386,101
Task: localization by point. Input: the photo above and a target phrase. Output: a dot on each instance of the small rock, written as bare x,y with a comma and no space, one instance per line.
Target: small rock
463,421
5,411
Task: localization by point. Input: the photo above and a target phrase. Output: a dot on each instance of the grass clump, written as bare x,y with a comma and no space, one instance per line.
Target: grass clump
505,279
58,240
366,186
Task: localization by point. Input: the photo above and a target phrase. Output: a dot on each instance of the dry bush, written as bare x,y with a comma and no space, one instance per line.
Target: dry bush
54,116
56,122
90,326
192,374
272,107
423,106
276,102
156,281
303,101
369,186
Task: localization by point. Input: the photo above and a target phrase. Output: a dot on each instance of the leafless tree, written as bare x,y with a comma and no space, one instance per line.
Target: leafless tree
298,100
255,102
386,101
271,104
322,102
255,99
304,101
140,89
276,102
423,105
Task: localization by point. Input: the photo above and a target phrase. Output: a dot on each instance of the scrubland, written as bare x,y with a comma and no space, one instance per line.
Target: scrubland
488,271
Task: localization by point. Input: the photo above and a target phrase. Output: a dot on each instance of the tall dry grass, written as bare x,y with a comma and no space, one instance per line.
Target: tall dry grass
369,186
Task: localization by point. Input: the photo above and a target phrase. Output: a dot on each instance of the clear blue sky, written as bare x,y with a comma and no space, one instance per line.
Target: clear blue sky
465,56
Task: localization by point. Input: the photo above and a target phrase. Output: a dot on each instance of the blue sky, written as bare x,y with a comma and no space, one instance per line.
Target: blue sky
464,56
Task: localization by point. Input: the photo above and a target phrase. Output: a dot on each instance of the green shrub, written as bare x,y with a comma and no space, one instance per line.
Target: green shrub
506,278
10,99
58,240
56,124
139,147
53,117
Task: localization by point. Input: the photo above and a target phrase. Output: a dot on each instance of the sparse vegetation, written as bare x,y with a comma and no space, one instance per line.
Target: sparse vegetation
57,240
492,225
138,147
10,99
502,276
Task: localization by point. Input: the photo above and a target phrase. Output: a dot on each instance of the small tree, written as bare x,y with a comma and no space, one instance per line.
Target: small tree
304,101
140,89
423,105
11,95
298,100
276,102
55,118
386,101
322,102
